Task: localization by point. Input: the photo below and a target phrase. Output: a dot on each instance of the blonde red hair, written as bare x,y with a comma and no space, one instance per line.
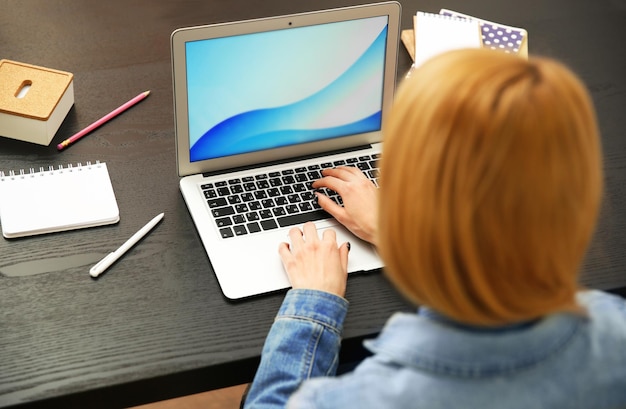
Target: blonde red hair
491,180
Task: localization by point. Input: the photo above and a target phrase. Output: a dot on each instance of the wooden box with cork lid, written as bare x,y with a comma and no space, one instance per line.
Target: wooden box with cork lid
34,101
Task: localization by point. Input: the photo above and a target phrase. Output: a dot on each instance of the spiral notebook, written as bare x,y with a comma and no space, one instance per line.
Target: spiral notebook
56,199
437,33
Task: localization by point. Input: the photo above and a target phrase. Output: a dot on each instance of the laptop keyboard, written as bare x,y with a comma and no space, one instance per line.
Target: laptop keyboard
267,201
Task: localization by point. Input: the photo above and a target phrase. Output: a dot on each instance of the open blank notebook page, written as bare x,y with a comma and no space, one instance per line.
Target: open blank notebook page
46,201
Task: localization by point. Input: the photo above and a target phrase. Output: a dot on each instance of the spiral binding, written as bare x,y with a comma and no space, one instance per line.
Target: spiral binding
442,16
22,174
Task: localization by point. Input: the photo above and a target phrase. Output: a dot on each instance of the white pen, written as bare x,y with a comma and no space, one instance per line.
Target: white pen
111,258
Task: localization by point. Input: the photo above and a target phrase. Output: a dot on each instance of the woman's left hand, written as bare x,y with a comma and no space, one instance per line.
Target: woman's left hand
314,263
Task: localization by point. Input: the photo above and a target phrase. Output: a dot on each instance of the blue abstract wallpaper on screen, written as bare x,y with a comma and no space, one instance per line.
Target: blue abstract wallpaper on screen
266,90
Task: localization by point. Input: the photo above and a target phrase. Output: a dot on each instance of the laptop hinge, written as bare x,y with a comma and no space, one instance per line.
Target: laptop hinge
279,162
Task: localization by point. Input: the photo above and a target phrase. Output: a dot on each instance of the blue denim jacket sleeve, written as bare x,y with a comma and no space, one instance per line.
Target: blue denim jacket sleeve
303,342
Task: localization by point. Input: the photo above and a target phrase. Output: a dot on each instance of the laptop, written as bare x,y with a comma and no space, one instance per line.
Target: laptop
261,107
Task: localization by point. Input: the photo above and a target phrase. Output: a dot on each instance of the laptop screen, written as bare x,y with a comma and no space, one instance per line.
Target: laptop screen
266,90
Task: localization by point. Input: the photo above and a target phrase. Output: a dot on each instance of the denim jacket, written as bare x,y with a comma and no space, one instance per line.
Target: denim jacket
426,361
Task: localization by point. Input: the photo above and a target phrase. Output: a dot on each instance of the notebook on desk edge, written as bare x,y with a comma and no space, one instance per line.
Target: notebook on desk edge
274,93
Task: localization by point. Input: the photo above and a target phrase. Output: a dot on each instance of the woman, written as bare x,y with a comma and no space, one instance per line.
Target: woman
490,187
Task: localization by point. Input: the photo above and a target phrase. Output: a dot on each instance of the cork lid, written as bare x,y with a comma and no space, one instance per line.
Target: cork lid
47,87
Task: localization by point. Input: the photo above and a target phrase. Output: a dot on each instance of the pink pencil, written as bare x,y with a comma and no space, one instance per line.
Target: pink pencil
102,120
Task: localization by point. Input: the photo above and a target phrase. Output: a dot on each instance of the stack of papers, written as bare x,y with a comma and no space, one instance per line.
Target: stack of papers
497,36
436,33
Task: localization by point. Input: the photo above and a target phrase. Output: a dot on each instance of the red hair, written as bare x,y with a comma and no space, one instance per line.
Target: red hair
490,186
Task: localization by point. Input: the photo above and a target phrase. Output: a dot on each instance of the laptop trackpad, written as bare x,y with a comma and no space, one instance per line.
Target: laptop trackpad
362,257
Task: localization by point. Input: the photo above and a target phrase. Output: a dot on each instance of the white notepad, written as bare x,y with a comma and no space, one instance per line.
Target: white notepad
66,198
436,33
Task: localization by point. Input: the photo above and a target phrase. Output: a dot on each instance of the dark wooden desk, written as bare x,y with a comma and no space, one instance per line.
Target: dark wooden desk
156,325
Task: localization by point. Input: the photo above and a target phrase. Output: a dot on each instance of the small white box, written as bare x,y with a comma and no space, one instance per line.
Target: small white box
34,101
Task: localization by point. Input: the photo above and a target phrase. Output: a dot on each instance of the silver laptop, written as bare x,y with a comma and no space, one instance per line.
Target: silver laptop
261,107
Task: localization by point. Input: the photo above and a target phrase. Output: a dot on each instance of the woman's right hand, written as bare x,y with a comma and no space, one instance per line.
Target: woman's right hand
359,213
